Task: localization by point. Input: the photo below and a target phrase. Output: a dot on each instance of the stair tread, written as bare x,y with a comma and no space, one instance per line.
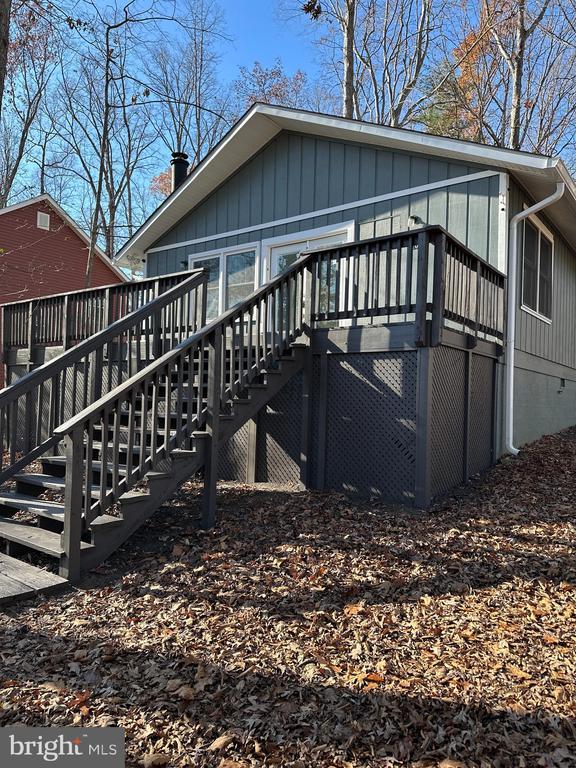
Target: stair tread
35,538
29,503
19,579
49,481
61,461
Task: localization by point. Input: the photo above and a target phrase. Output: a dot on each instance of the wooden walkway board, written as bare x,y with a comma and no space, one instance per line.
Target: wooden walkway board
19,579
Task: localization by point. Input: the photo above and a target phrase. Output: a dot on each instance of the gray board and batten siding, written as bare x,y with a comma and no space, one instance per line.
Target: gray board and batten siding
545,379
295,175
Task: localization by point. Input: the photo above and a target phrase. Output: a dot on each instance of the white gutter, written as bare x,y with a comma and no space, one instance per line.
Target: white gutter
511,304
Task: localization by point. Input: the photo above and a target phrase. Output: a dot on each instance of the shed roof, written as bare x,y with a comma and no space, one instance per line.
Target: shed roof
537,173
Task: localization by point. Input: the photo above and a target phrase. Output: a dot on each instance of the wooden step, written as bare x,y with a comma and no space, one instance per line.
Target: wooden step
60,461
49,509
36,506
31,537
49,482
19,580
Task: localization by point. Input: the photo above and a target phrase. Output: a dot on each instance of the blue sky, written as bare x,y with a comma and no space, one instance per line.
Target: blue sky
261,31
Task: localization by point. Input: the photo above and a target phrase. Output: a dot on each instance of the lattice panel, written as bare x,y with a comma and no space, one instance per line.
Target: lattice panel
481,410
279,436
232,457
447,419
371,424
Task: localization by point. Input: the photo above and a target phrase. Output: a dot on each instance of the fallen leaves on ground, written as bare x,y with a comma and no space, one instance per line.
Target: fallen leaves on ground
310,629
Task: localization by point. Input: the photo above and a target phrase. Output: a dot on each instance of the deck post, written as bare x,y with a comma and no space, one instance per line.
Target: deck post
305,441
423,492
212,428
421,289
467,402
438,284
251,448
73,503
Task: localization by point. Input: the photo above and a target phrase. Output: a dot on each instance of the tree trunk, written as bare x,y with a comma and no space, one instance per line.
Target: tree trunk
517,77
4,30
348,28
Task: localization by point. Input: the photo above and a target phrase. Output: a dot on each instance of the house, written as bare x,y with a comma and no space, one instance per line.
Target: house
285,181
327,303
43,252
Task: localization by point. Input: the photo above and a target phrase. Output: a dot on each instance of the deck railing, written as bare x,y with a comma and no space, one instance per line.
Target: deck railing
421,275
32,407
65,319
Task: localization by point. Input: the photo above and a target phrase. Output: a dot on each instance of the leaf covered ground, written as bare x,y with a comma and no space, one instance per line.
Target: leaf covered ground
309,629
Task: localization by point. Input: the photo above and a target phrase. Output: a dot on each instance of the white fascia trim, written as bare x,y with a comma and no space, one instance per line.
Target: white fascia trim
334,209
31,201
189,180
416,140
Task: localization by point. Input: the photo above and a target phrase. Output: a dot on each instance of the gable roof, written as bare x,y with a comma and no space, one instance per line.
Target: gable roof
537,173
49,200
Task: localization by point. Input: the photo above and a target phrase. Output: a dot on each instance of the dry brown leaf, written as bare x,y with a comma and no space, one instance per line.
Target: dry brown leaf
222,742
154,760
517,672
186,692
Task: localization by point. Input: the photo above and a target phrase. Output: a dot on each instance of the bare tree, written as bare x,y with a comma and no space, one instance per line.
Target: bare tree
188,103
343,12
515,80
31,64
386,52
5,7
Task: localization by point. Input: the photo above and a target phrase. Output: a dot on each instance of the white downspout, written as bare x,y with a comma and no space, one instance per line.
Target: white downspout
511,309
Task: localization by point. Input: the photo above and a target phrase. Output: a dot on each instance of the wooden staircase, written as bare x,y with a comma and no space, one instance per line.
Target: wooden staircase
101,474
94,441
41,494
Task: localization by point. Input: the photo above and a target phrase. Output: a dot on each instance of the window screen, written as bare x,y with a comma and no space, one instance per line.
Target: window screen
537,271
530,284
239,277
213,295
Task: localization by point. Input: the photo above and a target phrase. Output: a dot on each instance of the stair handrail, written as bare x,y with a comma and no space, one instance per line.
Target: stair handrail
144,322
263,325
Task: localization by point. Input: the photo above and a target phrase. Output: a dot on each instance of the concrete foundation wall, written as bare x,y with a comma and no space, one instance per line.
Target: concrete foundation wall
545,399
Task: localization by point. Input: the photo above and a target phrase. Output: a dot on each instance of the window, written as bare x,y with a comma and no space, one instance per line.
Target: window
537,260
239,277
284,250
213,293
43,220
232,275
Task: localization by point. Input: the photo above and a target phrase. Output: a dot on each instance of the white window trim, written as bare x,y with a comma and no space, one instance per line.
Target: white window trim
542,229
223,253
40,217
347,228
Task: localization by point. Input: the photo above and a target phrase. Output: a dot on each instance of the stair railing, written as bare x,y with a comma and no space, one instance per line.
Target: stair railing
32,407
144,419
189,388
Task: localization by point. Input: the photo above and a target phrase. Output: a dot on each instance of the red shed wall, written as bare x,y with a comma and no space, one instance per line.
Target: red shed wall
36,262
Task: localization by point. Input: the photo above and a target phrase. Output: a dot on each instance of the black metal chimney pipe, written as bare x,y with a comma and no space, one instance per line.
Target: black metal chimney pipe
179,165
